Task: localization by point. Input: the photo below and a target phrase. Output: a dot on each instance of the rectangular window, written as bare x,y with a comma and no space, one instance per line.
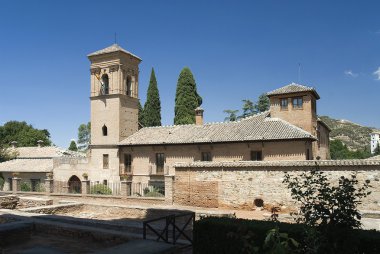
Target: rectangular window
35,184
127,163
297,102
284,103
105,161
10,188
256,156
105,182
160,162
206,156
308,154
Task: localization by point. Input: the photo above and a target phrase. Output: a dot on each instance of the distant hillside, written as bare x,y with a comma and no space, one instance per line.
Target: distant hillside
353,135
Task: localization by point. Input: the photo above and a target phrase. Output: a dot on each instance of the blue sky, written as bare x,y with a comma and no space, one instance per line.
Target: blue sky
235,49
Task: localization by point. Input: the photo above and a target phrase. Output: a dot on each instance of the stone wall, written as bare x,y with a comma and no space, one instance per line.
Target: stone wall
236,186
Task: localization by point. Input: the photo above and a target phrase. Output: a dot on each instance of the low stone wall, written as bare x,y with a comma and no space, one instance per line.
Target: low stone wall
8,202
54,209
237,185
26,202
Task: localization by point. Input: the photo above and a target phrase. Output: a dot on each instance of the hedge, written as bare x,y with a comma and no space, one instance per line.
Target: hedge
216,235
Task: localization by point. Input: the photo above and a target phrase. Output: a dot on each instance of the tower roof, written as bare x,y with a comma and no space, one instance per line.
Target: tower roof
293,88
113,48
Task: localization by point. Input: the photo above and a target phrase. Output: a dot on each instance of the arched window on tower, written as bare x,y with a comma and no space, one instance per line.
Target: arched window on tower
129,86
105,84
105,130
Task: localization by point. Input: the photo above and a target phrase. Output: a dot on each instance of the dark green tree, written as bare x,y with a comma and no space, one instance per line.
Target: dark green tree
73,146
152,107
339,151
262,103
141,116
377,150
248,108
23,133
187,98
232,115
84,136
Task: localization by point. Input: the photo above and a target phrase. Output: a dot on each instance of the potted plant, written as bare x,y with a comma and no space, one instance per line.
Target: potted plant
85,176
15,174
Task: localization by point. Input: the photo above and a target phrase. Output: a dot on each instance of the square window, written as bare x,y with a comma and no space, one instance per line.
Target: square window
297,102
256,156
206,156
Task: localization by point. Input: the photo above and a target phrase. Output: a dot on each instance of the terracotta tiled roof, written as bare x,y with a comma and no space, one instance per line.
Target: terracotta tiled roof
27,165
43,152
293,88
255,128
242,164
110,49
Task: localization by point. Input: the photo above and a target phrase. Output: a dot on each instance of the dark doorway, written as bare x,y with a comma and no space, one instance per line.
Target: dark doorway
75,185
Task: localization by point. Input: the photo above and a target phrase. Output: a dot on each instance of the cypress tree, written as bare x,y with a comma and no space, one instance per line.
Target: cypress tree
187,98
73,146
152,107
141,116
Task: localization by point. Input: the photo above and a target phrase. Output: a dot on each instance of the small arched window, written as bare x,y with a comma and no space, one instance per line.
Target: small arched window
129,86
105,130
105,84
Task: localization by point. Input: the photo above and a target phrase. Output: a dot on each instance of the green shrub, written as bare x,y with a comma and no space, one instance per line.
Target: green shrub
40,187
153,192
227,235
26,186
100,189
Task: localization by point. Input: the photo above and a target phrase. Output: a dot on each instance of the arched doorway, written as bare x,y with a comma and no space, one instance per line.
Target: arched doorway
75,185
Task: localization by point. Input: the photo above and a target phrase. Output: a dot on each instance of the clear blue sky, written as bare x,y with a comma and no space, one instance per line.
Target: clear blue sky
235,49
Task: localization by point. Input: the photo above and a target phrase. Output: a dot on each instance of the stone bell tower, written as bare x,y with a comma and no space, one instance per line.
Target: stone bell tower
114,95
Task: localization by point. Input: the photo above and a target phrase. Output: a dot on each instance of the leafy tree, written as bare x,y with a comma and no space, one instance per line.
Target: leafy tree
324,204
152,107
73,146
231,115
141,116
262,104
23,133
84,136
187,98
377,150
339,151
248,108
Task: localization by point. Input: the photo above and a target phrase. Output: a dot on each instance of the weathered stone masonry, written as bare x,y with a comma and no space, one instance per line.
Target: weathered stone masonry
238,184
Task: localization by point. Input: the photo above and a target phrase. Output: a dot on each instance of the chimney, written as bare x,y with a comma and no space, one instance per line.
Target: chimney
199,116
14,144
40,143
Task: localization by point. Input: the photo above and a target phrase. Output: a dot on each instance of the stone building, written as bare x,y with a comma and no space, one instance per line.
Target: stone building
375,141
289,130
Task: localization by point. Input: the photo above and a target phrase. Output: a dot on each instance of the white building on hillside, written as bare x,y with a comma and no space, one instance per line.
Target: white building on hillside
375,139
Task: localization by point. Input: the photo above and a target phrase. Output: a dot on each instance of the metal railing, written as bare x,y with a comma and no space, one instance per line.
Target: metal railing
97,188
156,189
172,230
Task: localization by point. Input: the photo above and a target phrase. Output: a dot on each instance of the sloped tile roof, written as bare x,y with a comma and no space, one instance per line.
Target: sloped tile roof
27,165
293,88
43,152
255,128
306,163
113,48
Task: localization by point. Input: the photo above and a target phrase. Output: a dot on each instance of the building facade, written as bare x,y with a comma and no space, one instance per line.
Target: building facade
375,141
289,131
